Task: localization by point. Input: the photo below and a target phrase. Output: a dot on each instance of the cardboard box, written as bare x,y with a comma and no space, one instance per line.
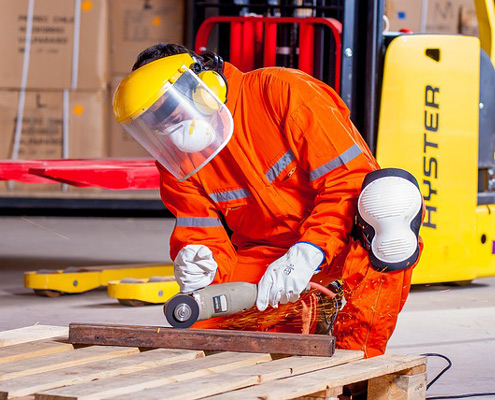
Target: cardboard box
444,16
56,60
469,21
121,143
42,132
138,24
433,16
405,14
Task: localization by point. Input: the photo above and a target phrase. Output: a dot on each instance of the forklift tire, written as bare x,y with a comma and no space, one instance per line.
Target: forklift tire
465,283
47,293
133,303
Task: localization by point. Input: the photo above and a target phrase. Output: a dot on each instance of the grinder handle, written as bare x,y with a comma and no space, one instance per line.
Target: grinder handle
225,299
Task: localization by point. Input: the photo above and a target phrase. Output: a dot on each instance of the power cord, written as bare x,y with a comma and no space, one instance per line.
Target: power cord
461,396
458,396
443,371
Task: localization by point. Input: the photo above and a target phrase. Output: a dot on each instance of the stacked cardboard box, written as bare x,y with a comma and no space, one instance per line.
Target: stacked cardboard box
134,26
62,61
433,16
405,14
121,143
53,83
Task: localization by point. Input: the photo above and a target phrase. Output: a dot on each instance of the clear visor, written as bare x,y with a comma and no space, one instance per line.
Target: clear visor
185,128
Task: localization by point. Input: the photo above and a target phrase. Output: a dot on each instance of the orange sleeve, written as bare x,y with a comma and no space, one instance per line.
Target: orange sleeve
329,147
197,222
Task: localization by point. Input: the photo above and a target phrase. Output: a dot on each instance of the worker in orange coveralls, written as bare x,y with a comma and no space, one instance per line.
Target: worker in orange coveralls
282,165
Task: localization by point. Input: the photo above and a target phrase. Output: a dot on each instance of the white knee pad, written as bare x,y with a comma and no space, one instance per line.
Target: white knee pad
389,217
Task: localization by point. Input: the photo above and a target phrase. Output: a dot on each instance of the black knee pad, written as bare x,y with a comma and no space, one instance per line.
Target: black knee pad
389,216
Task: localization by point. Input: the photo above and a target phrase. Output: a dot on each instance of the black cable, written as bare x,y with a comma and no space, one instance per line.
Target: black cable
442,371
460,396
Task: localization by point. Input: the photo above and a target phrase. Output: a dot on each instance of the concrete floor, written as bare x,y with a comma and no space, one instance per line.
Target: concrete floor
458,322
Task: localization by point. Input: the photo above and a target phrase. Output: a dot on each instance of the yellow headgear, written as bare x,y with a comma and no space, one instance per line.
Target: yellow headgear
144,86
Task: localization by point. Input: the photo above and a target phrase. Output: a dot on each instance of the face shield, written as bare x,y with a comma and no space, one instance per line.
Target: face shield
185,127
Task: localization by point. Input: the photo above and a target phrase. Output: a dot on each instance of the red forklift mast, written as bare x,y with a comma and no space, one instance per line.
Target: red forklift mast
355,72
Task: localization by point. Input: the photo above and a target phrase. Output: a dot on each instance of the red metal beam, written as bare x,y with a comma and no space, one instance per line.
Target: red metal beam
107,173
244,30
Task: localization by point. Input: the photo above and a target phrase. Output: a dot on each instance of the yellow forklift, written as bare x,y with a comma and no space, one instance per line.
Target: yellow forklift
437,120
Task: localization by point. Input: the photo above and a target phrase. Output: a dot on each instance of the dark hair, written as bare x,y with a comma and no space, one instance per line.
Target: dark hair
161,50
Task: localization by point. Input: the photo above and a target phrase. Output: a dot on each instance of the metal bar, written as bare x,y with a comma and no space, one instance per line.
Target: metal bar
319,50
245,29
281,20
116,178
267,6
337,34
78,205
306,47
202,339
258,44
107,173
204,30
270,43
374,60
348,77
235,42
247,46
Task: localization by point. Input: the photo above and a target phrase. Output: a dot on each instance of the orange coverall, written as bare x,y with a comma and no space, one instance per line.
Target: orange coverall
292,172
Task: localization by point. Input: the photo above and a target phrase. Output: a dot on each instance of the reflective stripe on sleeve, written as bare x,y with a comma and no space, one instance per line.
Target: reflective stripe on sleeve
229,195
279,166
338,161
198,222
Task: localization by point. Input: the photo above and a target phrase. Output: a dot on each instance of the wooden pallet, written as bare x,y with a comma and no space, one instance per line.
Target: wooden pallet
45,368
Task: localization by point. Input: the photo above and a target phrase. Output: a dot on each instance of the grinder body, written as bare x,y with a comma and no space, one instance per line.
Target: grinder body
183,310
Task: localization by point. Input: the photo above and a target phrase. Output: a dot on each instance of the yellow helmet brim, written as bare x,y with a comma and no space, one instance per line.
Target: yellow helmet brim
143,87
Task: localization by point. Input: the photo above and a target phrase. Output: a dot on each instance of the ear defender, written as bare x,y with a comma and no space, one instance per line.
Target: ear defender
210,72
216,82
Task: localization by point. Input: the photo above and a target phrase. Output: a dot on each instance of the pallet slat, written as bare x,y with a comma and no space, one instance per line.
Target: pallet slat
321,380
124,385
203,339
18,369
398,387
30,333
204,386
38,348
50,369
243,377
95,370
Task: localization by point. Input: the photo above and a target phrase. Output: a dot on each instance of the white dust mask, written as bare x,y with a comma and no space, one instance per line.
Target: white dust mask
191,136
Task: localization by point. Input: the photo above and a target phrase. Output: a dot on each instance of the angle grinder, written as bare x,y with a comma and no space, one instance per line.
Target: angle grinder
183,310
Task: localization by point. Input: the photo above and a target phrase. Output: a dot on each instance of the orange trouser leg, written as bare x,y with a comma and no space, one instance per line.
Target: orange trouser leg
374,300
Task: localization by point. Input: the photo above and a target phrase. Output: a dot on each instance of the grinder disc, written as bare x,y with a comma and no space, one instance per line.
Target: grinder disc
181,311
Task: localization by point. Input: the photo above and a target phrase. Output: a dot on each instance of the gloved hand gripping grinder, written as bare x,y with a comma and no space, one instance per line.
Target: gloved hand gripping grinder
183,310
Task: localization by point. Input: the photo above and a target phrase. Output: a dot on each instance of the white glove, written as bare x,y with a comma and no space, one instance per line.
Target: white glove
194,267
286,278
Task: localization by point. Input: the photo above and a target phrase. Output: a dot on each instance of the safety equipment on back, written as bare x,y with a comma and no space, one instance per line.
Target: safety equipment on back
194,267
174,107
390,212
286,278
